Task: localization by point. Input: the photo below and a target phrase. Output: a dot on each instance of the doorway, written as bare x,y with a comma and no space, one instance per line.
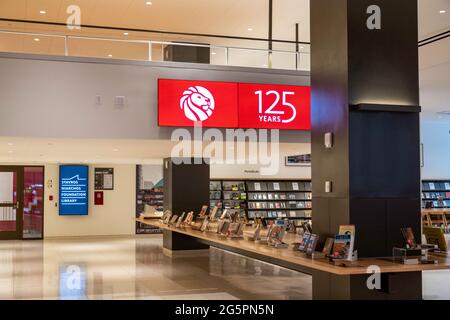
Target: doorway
21,202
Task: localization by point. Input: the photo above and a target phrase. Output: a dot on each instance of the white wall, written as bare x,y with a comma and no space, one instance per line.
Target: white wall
435,137
56,96
250,171
115,217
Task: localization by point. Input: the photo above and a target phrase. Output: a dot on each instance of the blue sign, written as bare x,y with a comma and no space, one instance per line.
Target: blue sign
73,190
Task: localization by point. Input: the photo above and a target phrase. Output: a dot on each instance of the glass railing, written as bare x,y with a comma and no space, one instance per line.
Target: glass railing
149,50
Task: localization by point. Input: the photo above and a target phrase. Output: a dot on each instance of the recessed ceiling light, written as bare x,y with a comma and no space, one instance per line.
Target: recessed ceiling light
116,150
149,3
213,53
125,33
250,29
42,12
37,39
442,11
109,55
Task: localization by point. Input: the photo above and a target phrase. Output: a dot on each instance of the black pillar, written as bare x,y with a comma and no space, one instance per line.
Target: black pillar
186,185
365,91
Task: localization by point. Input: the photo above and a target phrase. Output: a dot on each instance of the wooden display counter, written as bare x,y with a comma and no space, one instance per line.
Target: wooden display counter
296,260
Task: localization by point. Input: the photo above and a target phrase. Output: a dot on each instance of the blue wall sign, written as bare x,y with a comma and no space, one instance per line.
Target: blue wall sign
73,190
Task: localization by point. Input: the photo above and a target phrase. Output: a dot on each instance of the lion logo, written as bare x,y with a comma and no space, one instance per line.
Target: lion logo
197,103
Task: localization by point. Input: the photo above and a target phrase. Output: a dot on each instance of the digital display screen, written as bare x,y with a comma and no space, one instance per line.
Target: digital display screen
73,190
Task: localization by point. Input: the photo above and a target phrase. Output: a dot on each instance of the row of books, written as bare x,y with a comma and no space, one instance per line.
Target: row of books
279,214
279,186
340,247
260,186
435,195
280,205
436,185
280,196
227,195
436,204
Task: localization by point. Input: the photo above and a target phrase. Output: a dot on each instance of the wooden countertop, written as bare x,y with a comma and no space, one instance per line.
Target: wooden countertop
297,258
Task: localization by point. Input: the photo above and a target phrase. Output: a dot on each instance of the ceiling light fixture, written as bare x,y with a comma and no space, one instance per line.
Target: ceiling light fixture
110,55
37,39
42,12
250,29
149,3
125,33
213,53
442,11
116,150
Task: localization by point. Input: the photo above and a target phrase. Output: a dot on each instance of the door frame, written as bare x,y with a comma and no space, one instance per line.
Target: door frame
18,233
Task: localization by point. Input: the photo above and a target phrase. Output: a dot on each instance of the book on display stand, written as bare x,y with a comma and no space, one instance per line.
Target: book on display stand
180,220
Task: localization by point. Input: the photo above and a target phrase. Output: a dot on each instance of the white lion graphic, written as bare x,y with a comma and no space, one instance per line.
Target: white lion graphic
197,103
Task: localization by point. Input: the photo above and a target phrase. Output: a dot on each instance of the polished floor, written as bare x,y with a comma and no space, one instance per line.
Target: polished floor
135,268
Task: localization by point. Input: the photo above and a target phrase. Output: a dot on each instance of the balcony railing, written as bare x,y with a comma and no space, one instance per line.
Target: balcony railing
147,50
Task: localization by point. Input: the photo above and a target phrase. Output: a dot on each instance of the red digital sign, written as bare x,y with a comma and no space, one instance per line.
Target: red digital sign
181,103
268,106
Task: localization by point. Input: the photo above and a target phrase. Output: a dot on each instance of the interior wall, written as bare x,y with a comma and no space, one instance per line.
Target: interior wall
253,171
116,217
57,96
435,137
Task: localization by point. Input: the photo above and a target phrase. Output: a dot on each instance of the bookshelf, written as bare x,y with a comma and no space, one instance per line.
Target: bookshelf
275,199
436,193
232,194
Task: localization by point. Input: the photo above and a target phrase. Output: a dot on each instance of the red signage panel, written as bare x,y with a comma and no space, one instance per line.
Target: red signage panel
267,106
181,103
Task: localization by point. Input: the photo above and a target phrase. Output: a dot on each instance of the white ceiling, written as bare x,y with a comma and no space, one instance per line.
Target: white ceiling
15,150
226,17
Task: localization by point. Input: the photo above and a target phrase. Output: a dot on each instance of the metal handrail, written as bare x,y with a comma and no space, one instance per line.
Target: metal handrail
150,43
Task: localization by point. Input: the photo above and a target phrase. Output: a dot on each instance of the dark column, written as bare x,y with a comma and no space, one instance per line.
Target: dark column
186,185
180,53
179,242
365,90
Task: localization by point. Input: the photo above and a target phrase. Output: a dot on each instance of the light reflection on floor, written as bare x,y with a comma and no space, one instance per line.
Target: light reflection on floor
135,268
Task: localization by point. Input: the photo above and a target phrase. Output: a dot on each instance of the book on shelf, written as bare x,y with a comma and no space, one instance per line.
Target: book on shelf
432,186
408,236
347,229
328,246
343,246
204,224
447,185
173,219
189,218
304,242
312,244
180,220
214,211
203,211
